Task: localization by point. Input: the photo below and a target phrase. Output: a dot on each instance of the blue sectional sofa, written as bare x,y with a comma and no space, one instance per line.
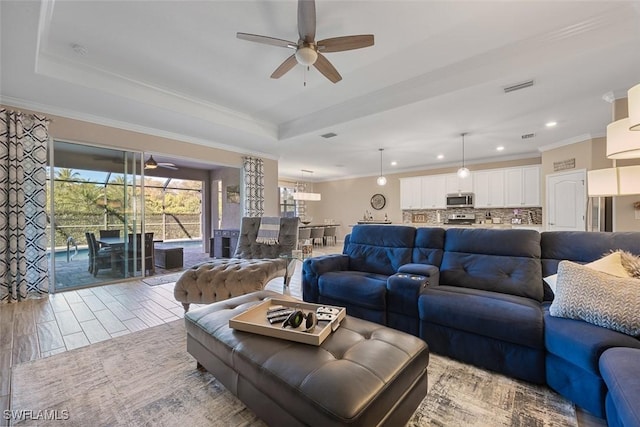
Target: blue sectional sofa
478,295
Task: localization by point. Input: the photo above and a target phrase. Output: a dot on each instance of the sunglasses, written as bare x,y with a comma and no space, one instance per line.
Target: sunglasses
296,318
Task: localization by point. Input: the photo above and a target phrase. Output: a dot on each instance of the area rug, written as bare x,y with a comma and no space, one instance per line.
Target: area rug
147,378
162,279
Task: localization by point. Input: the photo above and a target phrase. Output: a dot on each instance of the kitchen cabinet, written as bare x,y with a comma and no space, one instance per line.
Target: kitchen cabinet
411,193
489,188
455,184
434,193
522,186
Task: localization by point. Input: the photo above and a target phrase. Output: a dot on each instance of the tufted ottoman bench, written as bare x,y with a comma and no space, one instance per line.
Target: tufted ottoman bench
221,279
363,374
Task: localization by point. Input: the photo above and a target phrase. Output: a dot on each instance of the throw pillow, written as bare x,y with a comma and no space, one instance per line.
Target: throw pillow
631,263
598,298
610,264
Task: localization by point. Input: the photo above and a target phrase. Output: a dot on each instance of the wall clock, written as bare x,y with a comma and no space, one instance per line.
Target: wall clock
378,201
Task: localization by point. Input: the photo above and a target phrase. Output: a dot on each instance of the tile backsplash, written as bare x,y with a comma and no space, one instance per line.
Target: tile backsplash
528,216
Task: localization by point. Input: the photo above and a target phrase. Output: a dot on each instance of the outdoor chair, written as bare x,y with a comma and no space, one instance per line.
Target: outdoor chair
98,258
254,264
134,253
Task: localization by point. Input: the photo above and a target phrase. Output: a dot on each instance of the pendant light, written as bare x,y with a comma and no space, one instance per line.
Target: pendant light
301,193
463,172
381,179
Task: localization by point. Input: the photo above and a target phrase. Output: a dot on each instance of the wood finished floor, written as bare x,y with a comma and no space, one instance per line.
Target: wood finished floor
40,328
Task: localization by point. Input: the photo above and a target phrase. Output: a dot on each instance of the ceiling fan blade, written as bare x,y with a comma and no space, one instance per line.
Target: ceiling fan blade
267,40
307,20
287,65
339,44
324,66
168,166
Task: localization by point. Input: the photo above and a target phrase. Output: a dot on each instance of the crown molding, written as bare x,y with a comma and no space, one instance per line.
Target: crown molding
97,120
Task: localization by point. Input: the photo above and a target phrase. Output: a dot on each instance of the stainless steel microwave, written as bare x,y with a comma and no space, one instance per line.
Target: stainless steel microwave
460,200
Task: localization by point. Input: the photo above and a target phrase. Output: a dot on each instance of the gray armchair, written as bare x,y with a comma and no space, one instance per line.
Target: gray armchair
252,267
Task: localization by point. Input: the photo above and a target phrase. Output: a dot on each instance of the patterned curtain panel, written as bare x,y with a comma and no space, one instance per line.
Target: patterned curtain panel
253,180
23,220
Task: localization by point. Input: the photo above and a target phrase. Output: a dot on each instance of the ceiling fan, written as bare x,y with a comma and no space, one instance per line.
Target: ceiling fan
152,164
307,51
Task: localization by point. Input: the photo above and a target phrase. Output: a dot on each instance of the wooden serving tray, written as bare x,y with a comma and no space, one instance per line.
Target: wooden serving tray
255,320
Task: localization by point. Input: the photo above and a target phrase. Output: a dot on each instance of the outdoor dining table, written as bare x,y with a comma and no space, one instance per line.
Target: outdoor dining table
117,245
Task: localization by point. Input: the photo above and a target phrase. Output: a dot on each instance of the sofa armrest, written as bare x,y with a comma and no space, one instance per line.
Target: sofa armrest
431,272
313,268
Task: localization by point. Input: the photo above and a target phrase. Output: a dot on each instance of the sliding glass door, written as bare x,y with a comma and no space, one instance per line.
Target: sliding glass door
96,215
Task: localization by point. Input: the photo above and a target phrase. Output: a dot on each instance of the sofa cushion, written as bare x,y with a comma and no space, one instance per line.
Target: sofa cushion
358,288
581,343
505,261
429,246
379,249
597,298
619,368
610,264
500,316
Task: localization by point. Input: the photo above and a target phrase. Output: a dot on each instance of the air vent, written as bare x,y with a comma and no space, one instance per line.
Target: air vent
518,86
329,135
528,135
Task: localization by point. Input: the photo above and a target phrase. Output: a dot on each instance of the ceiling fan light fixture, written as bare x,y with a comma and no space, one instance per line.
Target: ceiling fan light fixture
306,56
150,163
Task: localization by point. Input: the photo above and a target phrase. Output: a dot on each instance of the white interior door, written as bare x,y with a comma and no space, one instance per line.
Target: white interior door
566,201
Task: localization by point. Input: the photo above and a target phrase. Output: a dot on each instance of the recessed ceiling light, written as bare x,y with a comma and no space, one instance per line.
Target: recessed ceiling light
394,163
551,124
500,148
440,156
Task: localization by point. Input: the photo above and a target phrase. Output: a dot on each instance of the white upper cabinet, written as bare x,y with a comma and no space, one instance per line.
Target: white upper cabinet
455,184
434,194
522,186
488,187
411,193
496,188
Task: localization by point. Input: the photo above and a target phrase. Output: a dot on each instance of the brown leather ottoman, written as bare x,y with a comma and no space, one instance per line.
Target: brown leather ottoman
363,374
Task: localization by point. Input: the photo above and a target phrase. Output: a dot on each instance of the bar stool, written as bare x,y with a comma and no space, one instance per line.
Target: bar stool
304,234
330,235
317,235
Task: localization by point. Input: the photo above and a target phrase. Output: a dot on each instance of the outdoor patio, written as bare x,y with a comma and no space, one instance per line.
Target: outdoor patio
74,273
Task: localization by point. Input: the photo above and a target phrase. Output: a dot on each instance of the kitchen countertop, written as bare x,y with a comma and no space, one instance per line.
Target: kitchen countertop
538,227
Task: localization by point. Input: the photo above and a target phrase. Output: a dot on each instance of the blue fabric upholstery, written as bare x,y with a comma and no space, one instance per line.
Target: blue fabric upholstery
357,279
574,348
621,373
429,246
581,247
496,331
379,249
402,293
505,261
